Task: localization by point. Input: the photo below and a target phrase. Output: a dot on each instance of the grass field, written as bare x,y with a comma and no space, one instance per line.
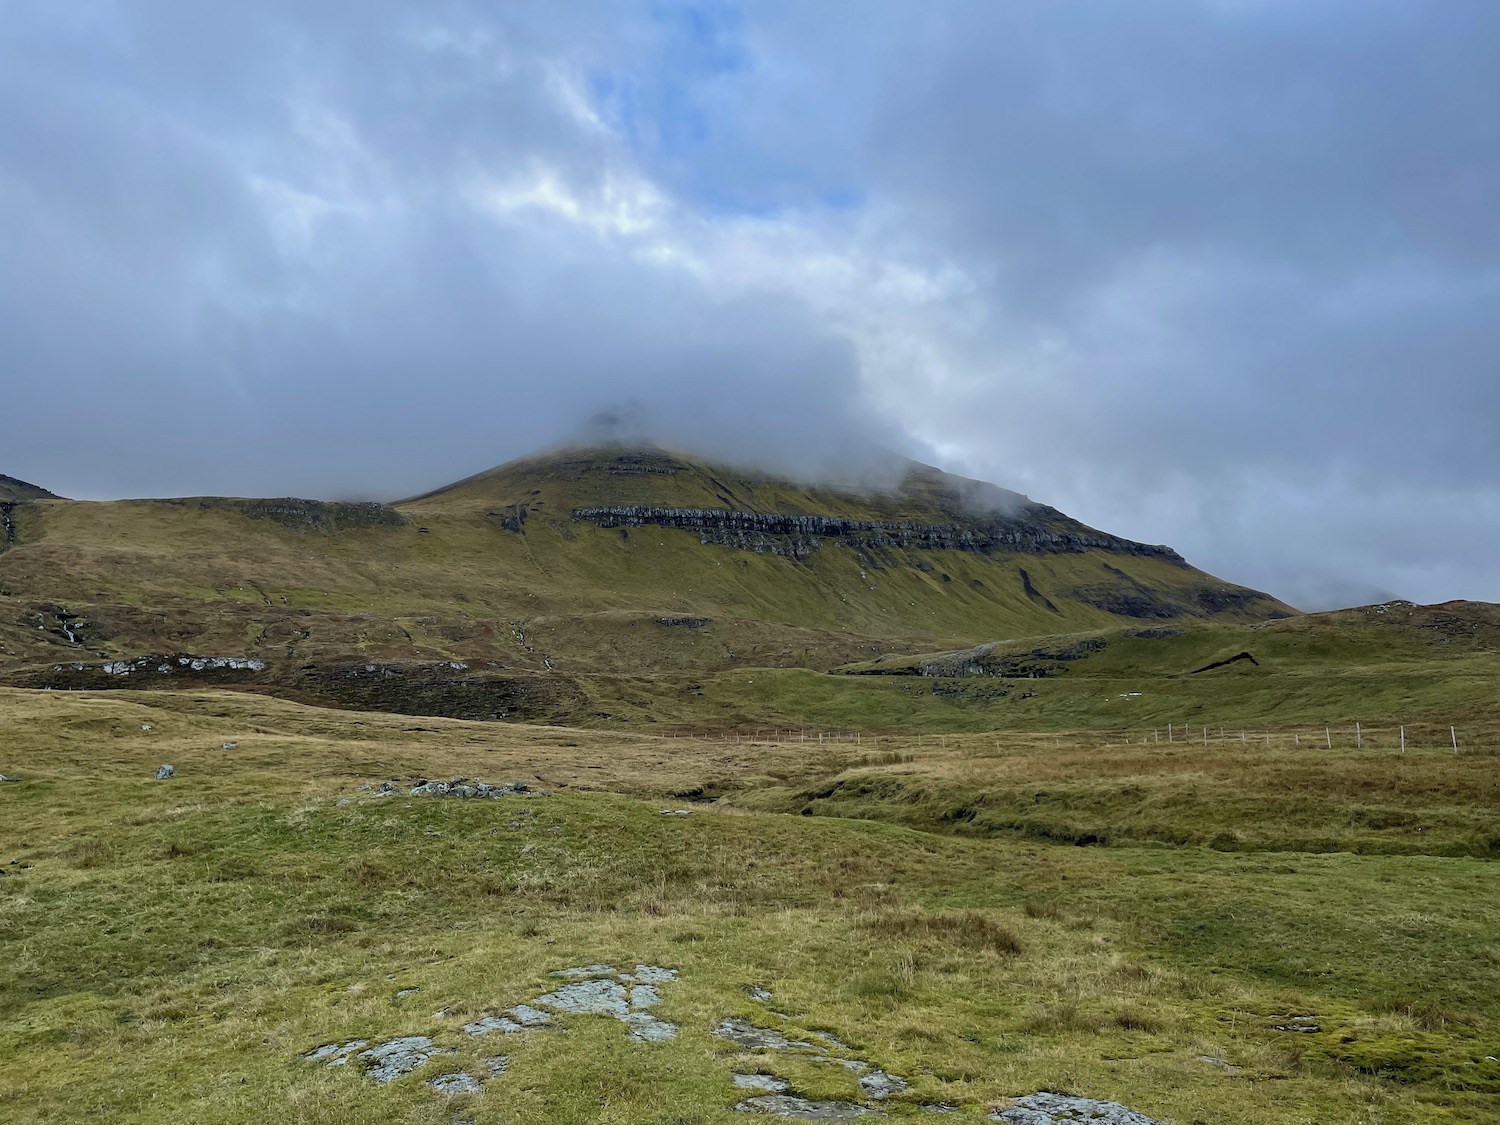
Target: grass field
170,950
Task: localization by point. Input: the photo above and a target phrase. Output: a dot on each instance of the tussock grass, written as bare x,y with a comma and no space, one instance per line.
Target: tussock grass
968,929
142,986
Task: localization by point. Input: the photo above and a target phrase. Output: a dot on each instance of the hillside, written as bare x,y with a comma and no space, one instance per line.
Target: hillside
12,490
504,594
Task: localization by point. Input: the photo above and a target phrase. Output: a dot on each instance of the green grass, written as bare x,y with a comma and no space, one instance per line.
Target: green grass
443,580
169,950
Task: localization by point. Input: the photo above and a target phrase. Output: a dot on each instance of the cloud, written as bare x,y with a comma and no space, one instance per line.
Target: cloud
1216,274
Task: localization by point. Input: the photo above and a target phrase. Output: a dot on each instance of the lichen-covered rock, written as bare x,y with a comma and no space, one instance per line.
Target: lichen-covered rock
878,1084
458,1083
742,1033
390,1060
1047,1108
768,1083
787,1105
589,997
469,788
164,772
335,1054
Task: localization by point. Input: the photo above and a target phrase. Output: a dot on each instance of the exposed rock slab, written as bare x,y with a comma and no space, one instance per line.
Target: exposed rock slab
1062,1109
788,1105
742,1033
388,1061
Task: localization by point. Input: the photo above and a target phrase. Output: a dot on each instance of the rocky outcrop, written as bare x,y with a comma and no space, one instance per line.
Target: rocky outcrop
7,525
297,514
987,660
798,536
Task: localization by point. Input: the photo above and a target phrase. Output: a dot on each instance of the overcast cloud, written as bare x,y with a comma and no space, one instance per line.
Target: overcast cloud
1218,273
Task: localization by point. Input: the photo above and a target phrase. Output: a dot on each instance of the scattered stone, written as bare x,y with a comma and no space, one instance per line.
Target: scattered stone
343,803
742,1033
459,1083
1060,1109
528,1016
937,1107
1302,1024
337,1054
768,1082
878,1084
676,812
785,1105
390,1060
405,992
440,1014
147,726
10,777
466,788
164,772
859,1066
231,745
760,995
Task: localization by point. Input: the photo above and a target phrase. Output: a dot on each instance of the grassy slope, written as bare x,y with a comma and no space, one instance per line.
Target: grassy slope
451,583
168,950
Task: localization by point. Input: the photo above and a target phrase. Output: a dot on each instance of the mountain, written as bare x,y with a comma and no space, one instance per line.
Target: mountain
512,593
12,490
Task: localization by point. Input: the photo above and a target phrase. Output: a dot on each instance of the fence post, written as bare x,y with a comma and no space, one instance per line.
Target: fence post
1403,739
1359,738
1453,733
1327,734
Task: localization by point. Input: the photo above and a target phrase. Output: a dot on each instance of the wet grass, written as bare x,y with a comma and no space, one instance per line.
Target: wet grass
169,950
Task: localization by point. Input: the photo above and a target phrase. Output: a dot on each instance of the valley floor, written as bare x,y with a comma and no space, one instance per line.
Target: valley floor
1298,936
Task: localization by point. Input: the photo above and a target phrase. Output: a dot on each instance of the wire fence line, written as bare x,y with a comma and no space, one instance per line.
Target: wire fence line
1426,736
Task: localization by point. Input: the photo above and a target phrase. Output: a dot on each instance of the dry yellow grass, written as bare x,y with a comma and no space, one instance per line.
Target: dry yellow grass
169,950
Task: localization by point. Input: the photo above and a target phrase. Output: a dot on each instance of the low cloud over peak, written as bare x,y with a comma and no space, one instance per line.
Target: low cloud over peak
1214,274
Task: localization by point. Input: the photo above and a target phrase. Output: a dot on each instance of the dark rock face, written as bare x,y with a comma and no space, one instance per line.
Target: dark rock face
1225,663
1039,663
297,514
685,622
1033,593
438,689
799,536
443,688
142,671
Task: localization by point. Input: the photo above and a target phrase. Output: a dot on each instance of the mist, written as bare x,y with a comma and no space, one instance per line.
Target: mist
1215,275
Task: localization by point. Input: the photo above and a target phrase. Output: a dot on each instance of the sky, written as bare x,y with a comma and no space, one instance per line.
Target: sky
1223,274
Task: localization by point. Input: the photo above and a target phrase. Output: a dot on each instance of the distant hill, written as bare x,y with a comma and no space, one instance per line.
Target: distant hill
507,593
12,489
